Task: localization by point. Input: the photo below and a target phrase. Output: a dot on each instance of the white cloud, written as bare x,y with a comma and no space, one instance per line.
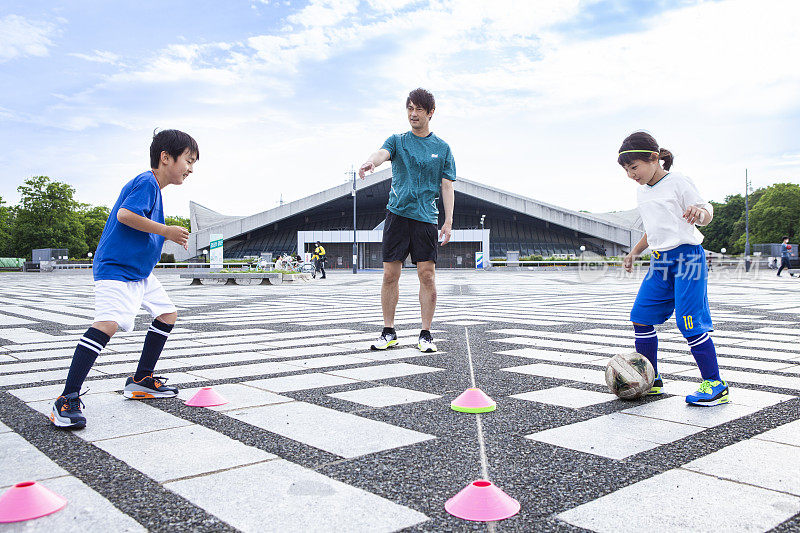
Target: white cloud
99,56
324,12
19,37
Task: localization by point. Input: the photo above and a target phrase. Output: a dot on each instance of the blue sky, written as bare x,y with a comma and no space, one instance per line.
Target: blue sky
283,97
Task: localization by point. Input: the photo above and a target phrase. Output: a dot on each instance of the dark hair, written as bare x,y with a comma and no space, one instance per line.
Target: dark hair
422,98
641,140
785,237
174,142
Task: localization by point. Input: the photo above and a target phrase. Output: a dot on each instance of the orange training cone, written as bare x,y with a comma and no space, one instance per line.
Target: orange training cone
28,500
473,401
206,397
483,502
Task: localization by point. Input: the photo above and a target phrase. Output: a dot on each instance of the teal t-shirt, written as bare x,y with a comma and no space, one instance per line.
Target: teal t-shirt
418,166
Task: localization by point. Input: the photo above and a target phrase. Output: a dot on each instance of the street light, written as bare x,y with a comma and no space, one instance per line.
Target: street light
746,223
583,248
483,253
722,253
355,241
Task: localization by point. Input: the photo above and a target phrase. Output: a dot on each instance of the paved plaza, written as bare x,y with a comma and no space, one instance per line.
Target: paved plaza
322,434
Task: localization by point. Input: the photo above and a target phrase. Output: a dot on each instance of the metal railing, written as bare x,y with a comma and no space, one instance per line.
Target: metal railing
617,262
68,266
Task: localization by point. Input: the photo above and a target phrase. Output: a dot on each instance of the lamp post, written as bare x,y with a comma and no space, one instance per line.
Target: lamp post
483,252
746,223
355,229
722,253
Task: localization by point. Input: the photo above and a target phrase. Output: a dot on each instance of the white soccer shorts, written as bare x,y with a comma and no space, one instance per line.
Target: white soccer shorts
120,301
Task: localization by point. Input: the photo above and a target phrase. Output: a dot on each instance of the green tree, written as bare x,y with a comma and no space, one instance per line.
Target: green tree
727,228
720,233
6,223
178,221
93,219
777,213
47,217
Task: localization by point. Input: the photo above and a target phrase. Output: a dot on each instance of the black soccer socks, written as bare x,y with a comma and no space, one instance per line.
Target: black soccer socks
89,347
153,344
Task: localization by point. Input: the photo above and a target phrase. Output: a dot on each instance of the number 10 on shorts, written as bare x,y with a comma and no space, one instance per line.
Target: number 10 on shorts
687,322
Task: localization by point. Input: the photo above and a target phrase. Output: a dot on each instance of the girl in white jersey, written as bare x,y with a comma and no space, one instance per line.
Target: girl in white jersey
671,208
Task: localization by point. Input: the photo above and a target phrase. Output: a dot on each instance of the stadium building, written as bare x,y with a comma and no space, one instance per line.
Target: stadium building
512,222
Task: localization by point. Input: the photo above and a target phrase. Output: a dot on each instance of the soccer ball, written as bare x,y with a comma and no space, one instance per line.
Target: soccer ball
629,375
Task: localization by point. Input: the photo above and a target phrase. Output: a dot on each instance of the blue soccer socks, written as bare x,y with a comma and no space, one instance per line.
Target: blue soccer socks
705,355
89,347
647,343
153,344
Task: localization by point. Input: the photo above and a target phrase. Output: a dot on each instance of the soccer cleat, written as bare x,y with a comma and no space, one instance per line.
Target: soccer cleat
66,412
147,388
385,341
657,388
710,393
425,343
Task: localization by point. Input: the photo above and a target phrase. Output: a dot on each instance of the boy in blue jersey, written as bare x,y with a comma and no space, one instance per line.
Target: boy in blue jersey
129,248
422,169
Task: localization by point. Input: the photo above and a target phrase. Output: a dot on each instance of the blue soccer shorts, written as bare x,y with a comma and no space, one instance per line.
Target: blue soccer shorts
676,281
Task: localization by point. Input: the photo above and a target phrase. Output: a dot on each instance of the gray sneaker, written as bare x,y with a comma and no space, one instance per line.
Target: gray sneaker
148,387
385,341
426,344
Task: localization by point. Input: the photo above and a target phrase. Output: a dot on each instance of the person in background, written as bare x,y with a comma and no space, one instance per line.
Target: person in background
786,252
319,260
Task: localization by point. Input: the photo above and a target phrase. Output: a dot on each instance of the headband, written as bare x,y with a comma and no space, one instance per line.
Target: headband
644,151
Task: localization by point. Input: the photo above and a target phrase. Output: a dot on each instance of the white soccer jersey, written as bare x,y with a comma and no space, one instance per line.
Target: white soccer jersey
661,207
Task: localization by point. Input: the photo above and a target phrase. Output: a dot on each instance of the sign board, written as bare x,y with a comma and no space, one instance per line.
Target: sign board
478,259
216,250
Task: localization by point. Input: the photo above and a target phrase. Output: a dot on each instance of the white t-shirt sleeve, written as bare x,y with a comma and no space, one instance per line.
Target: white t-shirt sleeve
691,196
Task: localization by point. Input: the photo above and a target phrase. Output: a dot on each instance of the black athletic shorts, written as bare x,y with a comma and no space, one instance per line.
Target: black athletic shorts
402,236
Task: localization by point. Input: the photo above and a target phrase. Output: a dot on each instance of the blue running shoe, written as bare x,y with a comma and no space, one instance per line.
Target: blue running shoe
658,387
66,412
710,393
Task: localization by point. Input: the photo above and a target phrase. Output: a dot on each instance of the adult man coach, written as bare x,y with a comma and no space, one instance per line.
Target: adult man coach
422,169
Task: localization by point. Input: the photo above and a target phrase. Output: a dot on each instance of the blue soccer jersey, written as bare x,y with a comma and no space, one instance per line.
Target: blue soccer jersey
124,253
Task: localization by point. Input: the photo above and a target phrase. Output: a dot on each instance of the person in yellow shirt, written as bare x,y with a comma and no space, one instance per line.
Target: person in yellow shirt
319,259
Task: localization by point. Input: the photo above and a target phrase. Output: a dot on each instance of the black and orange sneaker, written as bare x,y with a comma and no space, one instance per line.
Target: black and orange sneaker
66,412
148,387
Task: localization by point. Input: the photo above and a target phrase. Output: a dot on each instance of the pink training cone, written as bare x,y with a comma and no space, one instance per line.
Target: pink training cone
482,501
28,500
206,397
473,401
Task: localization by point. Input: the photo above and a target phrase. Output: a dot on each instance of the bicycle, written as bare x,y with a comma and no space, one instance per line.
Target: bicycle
293,265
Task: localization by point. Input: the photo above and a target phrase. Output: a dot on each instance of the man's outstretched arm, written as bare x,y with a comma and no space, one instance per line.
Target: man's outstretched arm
374,161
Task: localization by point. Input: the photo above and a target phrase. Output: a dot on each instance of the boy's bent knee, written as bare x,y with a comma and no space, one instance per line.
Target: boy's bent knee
168,318
109,327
